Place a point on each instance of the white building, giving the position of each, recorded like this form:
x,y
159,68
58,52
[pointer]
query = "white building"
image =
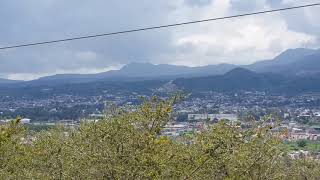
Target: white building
x,y
196,117
25,121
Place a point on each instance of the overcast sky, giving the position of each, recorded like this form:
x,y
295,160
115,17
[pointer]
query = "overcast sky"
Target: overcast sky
x,y
239,41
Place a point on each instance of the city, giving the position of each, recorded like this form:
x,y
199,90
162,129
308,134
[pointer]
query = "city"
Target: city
x,y
184,89
300,115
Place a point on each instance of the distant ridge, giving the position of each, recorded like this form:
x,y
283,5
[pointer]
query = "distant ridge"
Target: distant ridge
x,y
243,79
240,72
293,62
7,81
236,79
139,71
150,70
298,61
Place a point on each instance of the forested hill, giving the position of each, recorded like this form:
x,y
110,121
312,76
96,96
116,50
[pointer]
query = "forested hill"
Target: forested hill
x,y
243,79
236,80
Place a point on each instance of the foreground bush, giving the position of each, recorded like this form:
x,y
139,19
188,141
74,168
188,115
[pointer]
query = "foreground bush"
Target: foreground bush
x,y
130,146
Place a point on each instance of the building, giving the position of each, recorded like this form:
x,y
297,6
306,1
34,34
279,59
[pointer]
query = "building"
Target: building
x,y
25,121
212,117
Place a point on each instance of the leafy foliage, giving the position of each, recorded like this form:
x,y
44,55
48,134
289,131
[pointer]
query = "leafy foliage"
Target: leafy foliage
x,y
129,145
302,143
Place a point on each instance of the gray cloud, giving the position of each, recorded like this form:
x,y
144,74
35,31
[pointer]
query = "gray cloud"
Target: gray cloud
x,y
198,2
211,43
31,21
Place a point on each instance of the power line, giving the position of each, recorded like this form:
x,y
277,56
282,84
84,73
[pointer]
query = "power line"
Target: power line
x,y
157,27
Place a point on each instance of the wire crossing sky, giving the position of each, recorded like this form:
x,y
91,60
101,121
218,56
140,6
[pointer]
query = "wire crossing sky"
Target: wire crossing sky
x,y
157,27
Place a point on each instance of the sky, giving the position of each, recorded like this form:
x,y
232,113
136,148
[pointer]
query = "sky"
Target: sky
x,y
238,41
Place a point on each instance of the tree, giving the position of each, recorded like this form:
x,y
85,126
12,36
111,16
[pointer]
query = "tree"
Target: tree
x,y
129,145
302,143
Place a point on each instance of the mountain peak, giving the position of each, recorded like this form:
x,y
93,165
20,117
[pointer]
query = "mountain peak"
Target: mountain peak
x,y
239,72
291,55
136,65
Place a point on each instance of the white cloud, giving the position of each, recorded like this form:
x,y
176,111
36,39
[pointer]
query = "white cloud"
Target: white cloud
x,y
86,55
241,41
32,76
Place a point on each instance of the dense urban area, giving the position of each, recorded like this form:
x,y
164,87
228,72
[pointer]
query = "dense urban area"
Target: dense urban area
x,y
299,114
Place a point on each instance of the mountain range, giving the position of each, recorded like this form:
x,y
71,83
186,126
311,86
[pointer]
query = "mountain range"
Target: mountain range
x,y
291,62
238,78
295,70
244,79
138,72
